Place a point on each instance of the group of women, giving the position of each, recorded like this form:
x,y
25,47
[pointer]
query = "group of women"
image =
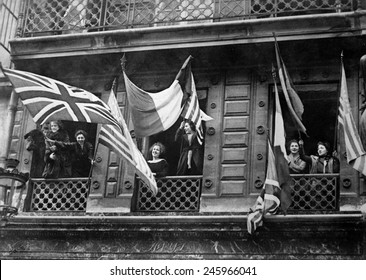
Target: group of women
x,y
323,162
74,159
64,158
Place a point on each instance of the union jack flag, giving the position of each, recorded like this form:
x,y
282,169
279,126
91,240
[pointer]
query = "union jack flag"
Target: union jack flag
x,y
48,99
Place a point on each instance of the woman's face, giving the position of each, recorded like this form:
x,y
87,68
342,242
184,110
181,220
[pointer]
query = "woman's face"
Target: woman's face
x,y
156,151
187,128
80,139
294,148
54,127
322,150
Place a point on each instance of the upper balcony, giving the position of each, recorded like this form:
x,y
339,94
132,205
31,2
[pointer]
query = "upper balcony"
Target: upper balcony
x,y
51,17
135,25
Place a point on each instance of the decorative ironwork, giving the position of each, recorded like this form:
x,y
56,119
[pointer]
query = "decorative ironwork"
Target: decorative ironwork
x,y
315,192
59,195
178,194
64,16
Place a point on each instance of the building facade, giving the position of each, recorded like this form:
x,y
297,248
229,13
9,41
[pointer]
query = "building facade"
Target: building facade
x,y
114,215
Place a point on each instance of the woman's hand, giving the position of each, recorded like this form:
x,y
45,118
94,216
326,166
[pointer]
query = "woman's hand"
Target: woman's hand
x,y
53,156
181,125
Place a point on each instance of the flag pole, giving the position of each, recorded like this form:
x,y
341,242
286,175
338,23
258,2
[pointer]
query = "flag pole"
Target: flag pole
x,y
335,142
97,146
123,62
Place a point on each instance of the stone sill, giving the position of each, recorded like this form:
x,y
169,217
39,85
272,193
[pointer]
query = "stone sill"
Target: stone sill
x,y
347,217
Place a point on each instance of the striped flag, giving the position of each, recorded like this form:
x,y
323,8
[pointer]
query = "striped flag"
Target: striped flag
x,y
154,112
119,140
269,199
277,186
48,99
191,111
356,156
293,101
283,173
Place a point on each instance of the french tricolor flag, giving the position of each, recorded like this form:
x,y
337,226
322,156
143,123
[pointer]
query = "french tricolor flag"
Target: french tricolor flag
x,y
152,113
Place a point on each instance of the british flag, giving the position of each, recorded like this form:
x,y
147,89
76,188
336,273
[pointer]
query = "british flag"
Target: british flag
x,y
48,99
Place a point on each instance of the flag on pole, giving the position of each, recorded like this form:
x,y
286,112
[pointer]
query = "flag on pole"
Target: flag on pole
x,y
277,186
191,111
48,99
119,140
356,155
279,144
269,199
293,101
152,113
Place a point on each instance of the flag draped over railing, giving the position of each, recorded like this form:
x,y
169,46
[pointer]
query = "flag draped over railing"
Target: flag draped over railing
x,y
293,101
119,140
276,191
152,113
356,155
48,99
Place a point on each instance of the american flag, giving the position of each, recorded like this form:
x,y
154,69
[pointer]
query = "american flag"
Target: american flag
x,y
119,140
356,155
48,99
191,111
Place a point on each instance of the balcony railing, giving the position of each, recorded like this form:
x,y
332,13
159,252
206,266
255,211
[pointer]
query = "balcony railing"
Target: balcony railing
x,y
311,192
176,194
315,192
68,194
52,17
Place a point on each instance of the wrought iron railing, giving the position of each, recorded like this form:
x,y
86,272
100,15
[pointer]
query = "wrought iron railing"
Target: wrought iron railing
x,y
175,194
315,192
45,17
67,194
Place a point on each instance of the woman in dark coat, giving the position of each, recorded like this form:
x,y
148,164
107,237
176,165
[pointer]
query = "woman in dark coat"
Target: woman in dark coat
x,y
191,158
57,158
323,162
82,155
159,166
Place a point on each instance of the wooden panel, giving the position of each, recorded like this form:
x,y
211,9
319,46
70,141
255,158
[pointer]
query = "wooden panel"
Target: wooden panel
x,y
238,76
113,159
235,155
236,123
236,107
113,172
111,189
233,171
237,92
235,139
233,187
